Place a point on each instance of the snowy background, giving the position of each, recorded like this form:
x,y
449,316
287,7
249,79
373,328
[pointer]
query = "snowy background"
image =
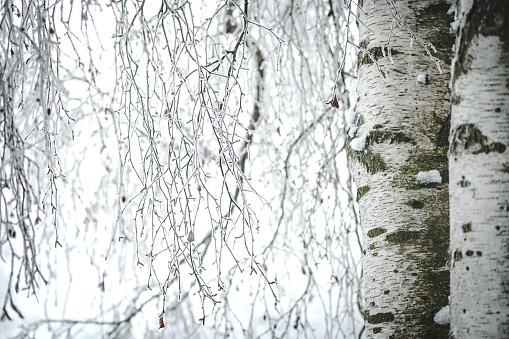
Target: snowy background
x,y
141,122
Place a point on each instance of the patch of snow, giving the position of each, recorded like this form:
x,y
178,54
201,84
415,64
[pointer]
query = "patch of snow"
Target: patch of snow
x,y
443,317
359,143
422,79
350,122
350,116
429,177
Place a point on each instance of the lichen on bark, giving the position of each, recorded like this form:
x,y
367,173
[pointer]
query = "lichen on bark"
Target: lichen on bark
x,y
373,162
402,237
376,232
379,317
379,136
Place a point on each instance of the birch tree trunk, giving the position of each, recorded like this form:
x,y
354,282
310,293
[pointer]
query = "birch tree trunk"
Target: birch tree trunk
x,y
479,172
402,171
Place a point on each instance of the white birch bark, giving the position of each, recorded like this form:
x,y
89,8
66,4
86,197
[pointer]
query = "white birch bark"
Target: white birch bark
x,y
479,172
404,220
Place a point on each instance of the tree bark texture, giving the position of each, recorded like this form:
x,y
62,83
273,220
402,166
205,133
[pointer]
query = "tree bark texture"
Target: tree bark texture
x,y
404,214
479,172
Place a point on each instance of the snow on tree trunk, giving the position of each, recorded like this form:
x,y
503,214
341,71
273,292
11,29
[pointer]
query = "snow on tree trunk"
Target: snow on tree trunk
x,y
401,172
479,172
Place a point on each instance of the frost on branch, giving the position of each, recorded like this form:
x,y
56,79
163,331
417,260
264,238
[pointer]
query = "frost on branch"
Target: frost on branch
x,y
350,122
201,110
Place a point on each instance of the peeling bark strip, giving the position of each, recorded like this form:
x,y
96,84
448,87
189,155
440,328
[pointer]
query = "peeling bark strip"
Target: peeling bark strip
x,y
479,191
405,219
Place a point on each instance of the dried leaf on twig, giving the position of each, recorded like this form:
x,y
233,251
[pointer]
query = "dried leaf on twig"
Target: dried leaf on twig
x,y
333,102
190,236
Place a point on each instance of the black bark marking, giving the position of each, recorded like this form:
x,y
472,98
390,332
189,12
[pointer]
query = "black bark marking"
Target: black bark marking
x,y
466,227
463,182
468,137
361,191
457,255
471,253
